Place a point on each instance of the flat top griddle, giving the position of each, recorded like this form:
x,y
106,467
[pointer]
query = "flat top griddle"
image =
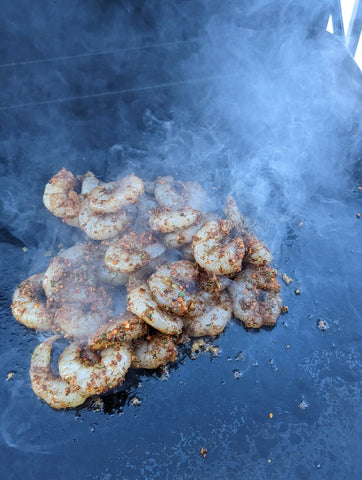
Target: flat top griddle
x,y
203,94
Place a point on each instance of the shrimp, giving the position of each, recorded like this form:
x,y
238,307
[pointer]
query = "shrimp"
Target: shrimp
x,y
166,221
80,321
210,314
28,305
55,391
173,286
94,374
102,226
89,182
255,296
214,251
70,275
113,196
256,252
141,303
60,197
154,351
176,195
132,252
119,330
178,238
104,275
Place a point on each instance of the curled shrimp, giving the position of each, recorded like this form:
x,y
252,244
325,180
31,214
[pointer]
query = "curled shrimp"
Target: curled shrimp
x,y
94,373
209,315
55,391
256,252
166,221
104,275
113,196
80,321
154,351
70,275
215,251
60,197
102,226
141,303
176,195
28,304
255,296
119,330
132,252
174,285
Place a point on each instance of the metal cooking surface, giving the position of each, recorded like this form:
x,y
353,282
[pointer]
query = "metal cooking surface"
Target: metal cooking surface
x,y
273,122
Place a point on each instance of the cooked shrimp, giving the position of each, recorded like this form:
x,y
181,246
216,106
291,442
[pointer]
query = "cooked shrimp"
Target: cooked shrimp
x,y
256,251
119,330
176,195
132,252
113,196
80,321
178,238
154,351
137,278
255,296
166,221
215,251
94,374
209,315
104,275
174,285
69,278
60,197
102,226
55,391
89,182
141,303
28,304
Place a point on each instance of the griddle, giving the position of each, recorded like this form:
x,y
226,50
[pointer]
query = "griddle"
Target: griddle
x,y
118,87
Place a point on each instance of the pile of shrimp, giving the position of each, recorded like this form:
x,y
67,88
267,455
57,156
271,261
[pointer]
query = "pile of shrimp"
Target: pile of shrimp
x,y
155,270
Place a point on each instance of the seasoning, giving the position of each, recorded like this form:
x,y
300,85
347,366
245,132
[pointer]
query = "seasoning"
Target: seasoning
x,y
203,452
286,279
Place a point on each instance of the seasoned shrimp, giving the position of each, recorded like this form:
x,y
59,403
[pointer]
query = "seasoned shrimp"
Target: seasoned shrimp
x,y
154,351
256,252
255,296
119,330
104,275
112,197
80,321
89,182
176,195
28,304
132,252
60,197
55,391
102,226
209,315
141,303
215,251
70,276
174,285
92,373
178,238
166,221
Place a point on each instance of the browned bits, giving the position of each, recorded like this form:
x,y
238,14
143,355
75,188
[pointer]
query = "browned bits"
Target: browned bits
x,y
203,452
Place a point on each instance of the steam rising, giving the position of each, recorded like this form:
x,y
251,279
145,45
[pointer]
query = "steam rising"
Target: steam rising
x,y
247,98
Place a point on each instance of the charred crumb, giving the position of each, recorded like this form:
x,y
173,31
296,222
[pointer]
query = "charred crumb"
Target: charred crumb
x,y
322,324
